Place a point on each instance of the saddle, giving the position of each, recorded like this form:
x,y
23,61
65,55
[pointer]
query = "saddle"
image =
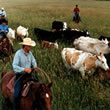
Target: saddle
x,y
25,88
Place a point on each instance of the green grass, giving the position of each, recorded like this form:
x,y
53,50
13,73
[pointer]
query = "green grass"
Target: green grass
x,y
69,90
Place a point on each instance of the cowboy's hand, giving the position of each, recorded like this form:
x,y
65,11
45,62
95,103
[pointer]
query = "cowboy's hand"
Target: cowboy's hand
x,y
35,68
2,30
27,70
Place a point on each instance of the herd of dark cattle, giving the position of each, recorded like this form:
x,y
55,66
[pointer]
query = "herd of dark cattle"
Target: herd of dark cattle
x,y
60,32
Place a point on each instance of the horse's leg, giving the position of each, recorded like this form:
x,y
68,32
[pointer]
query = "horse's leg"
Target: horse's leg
x,y
6,105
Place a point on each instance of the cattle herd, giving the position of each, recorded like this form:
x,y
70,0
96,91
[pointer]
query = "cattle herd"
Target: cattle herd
x,y
87,53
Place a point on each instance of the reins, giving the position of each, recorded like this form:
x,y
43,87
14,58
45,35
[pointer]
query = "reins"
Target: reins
x,y
42,71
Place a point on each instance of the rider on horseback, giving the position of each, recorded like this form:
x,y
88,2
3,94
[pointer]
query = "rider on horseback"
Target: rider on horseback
x,y
76,10
3,29
23,63
2,12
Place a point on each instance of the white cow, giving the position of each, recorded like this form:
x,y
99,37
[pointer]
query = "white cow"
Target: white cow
x,y
11,35
22,32
92,45
83,61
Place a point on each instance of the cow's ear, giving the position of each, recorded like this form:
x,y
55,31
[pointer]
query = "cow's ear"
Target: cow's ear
x,y
101,54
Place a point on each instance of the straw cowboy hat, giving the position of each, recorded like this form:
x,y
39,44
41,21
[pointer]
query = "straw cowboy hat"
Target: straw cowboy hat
x,y
28,41
2,8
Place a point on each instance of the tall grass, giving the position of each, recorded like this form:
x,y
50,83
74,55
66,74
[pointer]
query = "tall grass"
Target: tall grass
x,y
69,90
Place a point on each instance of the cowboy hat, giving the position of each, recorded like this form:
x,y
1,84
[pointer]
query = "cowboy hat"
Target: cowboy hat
x,y
2,8
4,20
28,41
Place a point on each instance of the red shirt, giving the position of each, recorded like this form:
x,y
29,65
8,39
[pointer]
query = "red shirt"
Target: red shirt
x,y
76,10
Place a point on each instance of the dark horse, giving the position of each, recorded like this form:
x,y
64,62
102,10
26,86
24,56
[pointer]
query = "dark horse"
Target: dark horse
x,y
38,97
77,17
5,48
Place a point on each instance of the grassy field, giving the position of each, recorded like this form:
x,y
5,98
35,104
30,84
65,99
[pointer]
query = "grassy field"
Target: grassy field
x,y
70,91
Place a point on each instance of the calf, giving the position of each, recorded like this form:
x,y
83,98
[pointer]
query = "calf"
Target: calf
x,y
22,32
92,45
49,44
83,61
11,35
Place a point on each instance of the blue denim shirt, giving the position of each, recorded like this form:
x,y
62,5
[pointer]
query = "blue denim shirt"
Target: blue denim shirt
x,y
5,28
21,61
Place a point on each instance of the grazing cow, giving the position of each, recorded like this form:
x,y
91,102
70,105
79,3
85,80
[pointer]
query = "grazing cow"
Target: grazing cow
x,y
92,45
11,35
66,35
45,35
83,61
49,44
104,38
72,34
22,32
59,25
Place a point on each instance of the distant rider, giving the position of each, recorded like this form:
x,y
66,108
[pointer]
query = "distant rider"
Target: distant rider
x,y
2,12
76,10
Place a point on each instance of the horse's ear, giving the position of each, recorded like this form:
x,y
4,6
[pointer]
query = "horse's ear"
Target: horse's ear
x,y
49,85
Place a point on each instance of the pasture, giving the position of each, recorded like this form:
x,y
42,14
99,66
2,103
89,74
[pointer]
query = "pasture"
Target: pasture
x,y
70,91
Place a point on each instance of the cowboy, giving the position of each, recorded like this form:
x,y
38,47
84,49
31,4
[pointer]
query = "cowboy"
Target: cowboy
x,y
3,29
23,63
2,12
76,10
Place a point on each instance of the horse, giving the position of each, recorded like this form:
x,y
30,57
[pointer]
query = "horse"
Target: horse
x,y
77,17
39,96
6,48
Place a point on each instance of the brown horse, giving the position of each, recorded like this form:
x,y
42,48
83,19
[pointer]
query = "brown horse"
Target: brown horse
x,y
77,17
38,97
5,48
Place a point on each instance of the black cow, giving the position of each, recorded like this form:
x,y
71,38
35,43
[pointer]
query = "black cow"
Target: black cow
x,y
104,37
66,35
45,35
59,25
71,35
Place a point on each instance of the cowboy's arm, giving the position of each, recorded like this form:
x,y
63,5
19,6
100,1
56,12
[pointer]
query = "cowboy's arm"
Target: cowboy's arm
x,y
7,30
0,28
17,69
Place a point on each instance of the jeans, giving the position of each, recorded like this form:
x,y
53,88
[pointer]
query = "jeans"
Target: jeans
x,y
17,91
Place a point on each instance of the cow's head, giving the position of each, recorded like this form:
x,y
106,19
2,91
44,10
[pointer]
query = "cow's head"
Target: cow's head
x,y
102,62
64,26
25,32
86,33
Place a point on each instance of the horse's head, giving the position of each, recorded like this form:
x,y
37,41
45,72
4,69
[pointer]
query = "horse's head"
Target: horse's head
x,y
43,97
5,42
